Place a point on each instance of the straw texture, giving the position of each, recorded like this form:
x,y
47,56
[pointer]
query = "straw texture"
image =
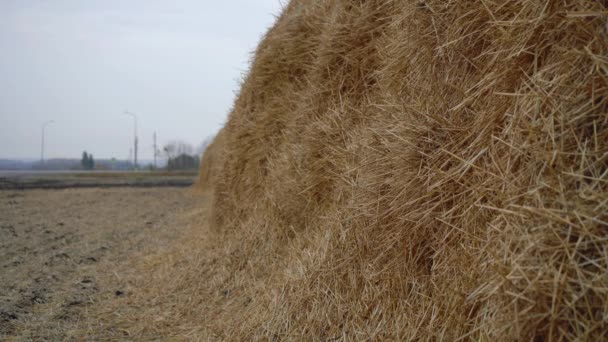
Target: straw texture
x,y
428,170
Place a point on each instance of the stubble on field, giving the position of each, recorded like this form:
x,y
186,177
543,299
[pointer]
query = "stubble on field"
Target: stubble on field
x,y
62,251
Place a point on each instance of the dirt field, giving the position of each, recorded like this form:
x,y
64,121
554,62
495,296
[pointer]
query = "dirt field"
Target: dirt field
x,y
61,251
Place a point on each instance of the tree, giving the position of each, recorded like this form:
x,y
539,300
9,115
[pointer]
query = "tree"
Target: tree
x,y
87,161
183,162
91,162
176,148
180,156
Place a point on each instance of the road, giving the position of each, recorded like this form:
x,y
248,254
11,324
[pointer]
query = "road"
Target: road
x,y
39,173
27,180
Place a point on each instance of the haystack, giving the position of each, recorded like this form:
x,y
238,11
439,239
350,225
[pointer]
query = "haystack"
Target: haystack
x,y
410,170
211,163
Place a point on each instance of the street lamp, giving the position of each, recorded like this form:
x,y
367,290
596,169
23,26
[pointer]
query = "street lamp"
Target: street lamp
x,y
42,141
134,137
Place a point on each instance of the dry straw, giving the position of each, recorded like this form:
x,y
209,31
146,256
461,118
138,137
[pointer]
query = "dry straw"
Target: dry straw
x,y
427,170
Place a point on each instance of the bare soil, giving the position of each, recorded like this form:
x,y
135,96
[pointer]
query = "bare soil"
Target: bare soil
x,y
60,251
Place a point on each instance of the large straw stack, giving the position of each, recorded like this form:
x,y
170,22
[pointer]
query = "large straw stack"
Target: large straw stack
x,y
428,170
211,163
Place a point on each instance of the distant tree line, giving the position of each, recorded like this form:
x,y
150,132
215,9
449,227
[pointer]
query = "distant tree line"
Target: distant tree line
x,y
183,162
87,161
181,156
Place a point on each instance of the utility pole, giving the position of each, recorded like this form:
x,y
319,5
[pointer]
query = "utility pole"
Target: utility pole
x,y
135,138
155,150
42,142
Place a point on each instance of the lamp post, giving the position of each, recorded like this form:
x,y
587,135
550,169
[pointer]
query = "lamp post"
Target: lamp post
x,y
134,138
42,141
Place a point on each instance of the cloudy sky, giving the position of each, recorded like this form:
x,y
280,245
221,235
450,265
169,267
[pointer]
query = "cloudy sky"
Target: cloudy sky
x,y
82,63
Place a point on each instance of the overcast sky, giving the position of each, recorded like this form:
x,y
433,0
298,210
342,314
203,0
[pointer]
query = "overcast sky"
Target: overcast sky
x,y
82,63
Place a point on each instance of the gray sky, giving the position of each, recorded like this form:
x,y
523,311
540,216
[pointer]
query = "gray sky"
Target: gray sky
x,y
82,63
